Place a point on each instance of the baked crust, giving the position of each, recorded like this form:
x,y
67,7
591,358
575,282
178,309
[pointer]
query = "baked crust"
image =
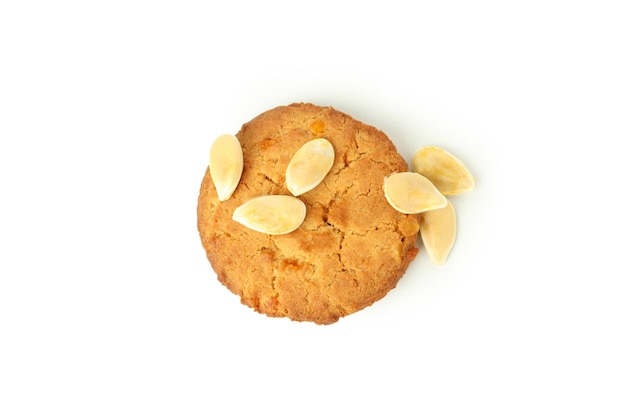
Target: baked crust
x,y
352,247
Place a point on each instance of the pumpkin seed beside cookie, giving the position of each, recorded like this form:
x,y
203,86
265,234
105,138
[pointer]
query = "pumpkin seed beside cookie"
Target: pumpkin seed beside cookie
x,y
445,170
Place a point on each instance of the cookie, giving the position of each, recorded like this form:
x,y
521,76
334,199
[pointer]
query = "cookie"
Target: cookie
x,y
352,247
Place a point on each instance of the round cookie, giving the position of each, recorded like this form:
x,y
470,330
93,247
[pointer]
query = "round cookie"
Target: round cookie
x,y
352,247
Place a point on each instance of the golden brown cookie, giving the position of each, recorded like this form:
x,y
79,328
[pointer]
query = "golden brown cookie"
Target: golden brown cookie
x,y
352,247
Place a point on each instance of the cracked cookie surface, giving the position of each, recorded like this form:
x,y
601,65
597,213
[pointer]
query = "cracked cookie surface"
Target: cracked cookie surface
x,y
352,247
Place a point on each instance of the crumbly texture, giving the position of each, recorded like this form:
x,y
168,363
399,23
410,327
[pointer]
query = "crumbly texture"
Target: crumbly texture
x,y
352,247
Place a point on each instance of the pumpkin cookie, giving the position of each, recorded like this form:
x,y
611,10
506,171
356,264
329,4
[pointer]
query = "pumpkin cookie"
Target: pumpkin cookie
x,y
352,246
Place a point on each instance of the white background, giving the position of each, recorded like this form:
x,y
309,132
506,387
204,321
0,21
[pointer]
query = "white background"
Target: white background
x,y
108,305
